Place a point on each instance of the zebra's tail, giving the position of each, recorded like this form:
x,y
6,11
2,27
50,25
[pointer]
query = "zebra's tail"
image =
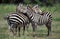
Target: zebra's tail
x,y
6,17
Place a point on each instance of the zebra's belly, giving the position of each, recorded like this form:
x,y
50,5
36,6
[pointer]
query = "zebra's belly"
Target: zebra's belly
x,y
41,22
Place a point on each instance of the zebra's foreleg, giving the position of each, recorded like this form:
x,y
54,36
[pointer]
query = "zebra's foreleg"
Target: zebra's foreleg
x,y
34,28
27,26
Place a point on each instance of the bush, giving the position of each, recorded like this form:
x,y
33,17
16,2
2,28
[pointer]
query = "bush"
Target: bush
x,y
27,1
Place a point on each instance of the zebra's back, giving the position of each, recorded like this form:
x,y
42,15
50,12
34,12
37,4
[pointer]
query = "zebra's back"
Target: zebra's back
x,y
17,19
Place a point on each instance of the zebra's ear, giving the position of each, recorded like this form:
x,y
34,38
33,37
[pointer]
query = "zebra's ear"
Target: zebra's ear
x,y
36,6
29,7
20,5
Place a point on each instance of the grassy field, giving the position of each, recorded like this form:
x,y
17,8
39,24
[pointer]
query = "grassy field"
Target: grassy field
x,y
41,30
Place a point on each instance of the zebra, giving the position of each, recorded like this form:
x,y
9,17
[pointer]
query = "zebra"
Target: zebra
x,y
16,21
37,19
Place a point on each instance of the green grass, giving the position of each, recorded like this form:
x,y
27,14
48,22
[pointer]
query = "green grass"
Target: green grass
x,y
41,30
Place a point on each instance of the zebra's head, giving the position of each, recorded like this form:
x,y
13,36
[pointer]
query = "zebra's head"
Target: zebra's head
x,y
21,8
36,9
30,11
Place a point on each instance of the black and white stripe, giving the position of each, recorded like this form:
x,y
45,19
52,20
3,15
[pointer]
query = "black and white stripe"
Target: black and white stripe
x,y
17,20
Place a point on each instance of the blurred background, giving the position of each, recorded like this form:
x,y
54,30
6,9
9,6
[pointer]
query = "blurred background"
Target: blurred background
x,y
40,2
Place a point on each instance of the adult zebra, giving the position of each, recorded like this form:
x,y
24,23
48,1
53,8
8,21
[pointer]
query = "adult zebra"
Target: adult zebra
x,y
16,21
37,19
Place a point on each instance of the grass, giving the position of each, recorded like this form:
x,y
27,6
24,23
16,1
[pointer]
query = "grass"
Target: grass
x,y
41,30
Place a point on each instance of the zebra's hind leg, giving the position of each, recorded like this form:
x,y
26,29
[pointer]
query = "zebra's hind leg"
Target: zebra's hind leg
x,y
48,25
19,31
12,29
15,30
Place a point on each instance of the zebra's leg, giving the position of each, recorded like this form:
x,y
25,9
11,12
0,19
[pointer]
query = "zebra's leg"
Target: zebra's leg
x,y
19,31
15,30
23,29
34,27
48,25
12,28
27,26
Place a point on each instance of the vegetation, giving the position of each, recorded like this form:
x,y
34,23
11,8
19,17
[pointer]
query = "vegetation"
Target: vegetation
x,y
40,2
41,30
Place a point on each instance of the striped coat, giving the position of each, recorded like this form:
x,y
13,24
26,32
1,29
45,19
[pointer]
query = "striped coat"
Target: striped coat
x,y
37,19
41,19
17,20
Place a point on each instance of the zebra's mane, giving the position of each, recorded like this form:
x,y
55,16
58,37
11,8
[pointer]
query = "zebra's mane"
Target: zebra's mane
x,y
30,8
